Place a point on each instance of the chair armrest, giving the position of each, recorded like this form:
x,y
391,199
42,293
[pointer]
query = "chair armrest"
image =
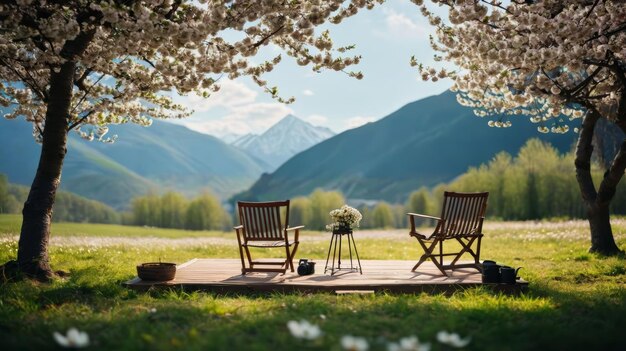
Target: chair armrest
x,y
414,232
423,216
296,234
239,229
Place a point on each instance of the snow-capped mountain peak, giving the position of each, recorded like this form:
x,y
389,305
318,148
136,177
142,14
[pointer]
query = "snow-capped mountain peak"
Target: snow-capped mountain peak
x,y
284,139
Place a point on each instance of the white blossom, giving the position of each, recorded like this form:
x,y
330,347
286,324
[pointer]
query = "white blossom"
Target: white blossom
x,y
304,330
452,339
74,339
354,343
410,343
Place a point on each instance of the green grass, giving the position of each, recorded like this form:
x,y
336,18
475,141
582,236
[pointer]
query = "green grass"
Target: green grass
x,y
576,300
10,225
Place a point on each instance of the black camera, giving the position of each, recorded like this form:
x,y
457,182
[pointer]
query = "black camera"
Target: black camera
x,y
306,267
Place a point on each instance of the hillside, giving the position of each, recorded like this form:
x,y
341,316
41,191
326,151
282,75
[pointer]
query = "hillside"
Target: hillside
x,y
283,140
68,207
422,144
162,156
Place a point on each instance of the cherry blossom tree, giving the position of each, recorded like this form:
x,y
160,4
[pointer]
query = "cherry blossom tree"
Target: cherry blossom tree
x,y
561,63
81,65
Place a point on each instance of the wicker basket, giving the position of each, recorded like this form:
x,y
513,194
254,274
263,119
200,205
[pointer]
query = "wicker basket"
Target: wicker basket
x,y
156,271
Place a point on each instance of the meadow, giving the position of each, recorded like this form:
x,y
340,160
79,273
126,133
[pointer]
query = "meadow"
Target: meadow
x,y
576,300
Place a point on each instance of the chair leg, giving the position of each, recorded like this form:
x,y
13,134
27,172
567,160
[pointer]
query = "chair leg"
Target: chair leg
x,y
243,264
419,263
477,257
467,248
428,253
293,254
439,266
287,260
250,264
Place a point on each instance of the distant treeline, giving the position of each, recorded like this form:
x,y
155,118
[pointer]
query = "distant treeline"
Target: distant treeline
x,y
67,207
312,211
173,210
537,183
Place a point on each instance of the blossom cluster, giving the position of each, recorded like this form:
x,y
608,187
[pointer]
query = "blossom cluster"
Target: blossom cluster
x,y
124,58
548,60
345,216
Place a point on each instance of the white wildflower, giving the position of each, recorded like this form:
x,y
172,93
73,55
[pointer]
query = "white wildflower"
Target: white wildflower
x,y
304,330
74,339
354,343
410,343
452,339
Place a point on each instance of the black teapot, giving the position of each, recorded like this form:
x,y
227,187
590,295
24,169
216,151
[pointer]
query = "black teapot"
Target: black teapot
x,y
306,267
491,272
508,275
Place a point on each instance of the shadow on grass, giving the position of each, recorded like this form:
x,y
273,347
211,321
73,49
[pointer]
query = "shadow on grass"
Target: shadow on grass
x,y
569,308
118,319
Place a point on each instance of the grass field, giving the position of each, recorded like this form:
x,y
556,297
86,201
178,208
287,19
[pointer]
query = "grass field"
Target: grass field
x,y
577,301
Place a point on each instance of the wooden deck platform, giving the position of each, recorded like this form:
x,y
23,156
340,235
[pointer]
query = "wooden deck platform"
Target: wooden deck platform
x,y
224,276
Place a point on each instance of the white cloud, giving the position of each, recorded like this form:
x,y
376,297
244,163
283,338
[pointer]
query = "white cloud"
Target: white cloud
x,y
399,22
231,94
234,109
400,26
308,92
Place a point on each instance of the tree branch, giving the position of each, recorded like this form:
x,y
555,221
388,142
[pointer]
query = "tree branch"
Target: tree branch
x,y
595,3
264,39
574,91
172,11
80,83
73,125
32,84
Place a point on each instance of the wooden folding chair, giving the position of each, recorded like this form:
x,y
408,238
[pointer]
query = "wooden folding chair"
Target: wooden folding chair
x,y
261,227
461,220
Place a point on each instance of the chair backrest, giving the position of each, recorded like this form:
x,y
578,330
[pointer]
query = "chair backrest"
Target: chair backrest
x,y
262,220
463,213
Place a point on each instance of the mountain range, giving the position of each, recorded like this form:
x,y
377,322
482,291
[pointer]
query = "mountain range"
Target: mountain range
x,y
154,159
283,140
424,143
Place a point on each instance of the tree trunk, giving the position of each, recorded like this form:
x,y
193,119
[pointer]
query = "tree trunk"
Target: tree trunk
x,y
32,254
601,233
597,202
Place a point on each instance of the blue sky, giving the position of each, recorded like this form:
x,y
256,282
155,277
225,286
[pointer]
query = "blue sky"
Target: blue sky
x,y
385,37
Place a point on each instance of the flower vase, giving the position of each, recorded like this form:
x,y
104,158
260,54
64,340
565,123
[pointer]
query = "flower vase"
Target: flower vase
x,y
342,229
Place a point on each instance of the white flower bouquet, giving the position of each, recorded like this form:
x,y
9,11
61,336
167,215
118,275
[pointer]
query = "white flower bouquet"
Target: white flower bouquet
x,y
345,217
